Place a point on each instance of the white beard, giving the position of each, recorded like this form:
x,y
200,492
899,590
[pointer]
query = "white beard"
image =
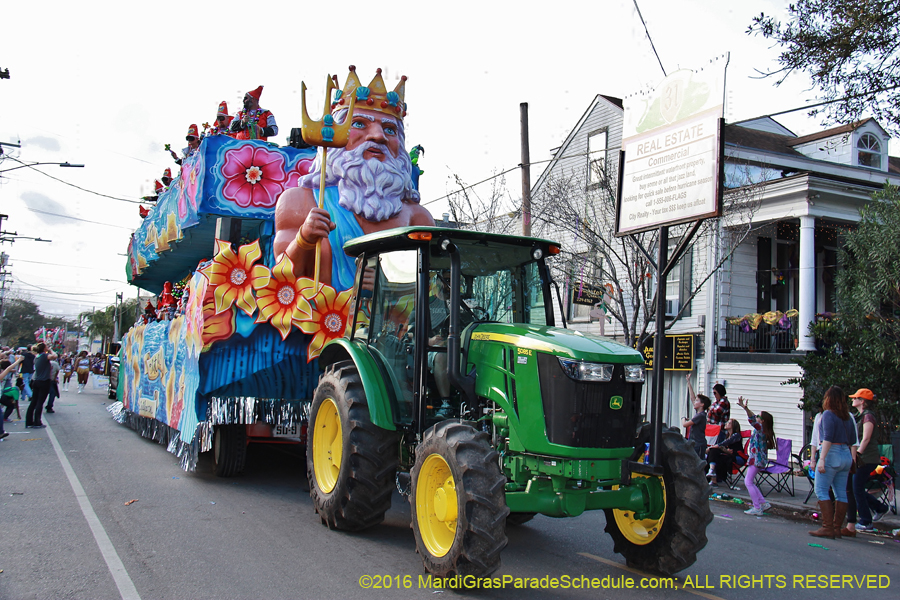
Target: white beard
x,y
371,188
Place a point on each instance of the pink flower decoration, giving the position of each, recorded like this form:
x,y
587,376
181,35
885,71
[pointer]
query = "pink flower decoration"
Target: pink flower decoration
x,y
253,176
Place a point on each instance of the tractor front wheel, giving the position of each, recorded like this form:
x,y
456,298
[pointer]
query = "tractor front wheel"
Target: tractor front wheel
x,y
350,462
671,543
457,499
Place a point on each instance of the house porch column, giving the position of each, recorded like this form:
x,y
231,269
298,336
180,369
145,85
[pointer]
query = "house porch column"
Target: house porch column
x,y
807,300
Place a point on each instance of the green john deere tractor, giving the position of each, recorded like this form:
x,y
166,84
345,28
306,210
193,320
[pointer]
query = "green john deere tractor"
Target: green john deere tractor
x,y
453,384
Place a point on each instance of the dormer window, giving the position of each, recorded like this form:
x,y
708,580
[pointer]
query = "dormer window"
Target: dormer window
x,y
869,151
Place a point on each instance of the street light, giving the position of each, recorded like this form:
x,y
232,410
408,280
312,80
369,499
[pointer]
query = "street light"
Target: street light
x,y
23,165
12,236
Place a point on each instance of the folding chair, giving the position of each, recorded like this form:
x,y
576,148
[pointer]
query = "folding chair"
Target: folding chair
x,y
882,485
802,458
778,474
712,433
737,471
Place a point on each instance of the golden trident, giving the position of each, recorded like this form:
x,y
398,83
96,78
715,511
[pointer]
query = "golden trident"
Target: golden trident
x,y
327,134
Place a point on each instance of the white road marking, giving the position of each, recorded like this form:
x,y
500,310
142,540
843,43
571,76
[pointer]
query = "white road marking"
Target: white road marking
x,y
113,562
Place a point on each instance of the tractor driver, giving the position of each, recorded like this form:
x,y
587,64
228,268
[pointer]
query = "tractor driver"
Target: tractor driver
x,y
439,309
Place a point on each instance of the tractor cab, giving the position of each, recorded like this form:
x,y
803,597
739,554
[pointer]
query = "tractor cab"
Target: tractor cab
x,y
421,293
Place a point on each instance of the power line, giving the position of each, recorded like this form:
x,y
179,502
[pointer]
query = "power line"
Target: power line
x,y
44,212
37,262
652,45
72,184
19,280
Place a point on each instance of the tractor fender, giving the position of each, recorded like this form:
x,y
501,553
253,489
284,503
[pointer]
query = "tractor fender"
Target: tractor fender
x,y
378,397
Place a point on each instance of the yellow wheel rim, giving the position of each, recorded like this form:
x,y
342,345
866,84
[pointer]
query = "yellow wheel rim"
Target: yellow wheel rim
x,y
327,446
639,531
436,505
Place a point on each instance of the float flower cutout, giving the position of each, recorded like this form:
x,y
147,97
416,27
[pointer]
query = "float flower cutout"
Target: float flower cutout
x,y
230,276
279,296
253,176
215,326
327,320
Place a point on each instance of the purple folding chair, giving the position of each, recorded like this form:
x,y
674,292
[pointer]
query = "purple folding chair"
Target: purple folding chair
x,y
778,474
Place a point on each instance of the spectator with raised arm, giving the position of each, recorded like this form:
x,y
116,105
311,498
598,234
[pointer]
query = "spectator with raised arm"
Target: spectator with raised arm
x,y
761,440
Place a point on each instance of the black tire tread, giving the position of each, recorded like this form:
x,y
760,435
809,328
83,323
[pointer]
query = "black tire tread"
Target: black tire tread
x,y
233,446
481,531
683,534
370,456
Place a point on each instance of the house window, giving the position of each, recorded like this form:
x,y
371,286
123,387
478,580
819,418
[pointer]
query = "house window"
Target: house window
x,y
869,151
678,282
596,157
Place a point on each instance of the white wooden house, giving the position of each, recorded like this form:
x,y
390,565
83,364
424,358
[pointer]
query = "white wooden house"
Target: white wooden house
x,y
812,189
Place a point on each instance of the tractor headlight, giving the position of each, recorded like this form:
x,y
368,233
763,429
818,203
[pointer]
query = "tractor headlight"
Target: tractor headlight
x,y
586,371
634,373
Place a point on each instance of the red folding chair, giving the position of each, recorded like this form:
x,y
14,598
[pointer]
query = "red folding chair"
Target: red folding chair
x,y
737,470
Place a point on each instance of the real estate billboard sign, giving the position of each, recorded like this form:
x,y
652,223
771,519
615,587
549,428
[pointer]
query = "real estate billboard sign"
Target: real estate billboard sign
x,y
671,138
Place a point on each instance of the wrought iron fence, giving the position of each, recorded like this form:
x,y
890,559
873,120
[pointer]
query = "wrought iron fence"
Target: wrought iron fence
x,y
765,338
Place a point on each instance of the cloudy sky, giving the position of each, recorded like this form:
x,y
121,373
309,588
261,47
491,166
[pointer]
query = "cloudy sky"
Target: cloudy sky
x,y
108,84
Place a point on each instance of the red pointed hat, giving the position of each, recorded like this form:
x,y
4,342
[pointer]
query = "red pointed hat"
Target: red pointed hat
x,y
167,173
192,132
158,186
256,93
223,109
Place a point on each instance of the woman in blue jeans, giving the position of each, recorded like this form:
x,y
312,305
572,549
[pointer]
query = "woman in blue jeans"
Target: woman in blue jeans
x,y
838,439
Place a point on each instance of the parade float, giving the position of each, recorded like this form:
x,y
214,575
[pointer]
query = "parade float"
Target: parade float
x,y
220,359
227,355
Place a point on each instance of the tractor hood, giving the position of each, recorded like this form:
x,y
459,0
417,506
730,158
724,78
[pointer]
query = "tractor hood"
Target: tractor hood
x,y
557,341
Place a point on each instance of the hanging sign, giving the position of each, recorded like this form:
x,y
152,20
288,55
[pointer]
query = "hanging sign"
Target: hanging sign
x,y
678,352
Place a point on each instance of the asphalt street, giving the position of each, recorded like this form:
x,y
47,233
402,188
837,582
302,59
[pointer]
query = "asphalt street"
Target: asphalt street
x,y
91,510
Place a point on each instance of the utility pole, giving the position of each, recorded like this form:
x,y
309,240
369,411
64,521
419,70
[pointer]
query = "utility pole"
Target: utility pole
x,y
526,171
4,259
116,324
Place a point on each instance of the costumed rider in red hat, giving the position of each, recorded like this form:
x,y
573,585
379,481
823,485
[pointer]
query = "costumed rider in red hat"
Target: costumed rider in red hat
x,y
223,121
193,140
254,123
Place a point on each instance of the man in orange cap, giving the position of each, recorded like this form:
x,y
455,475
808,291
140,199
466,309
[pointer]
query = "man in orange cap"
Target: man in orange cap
x,y
254,123
223,120
868,456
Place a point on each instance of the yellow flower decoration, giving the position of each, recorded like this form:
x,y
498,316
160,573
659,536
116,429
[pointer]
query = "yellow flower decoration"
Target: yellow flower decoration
x,y
231,275
328,318
280,295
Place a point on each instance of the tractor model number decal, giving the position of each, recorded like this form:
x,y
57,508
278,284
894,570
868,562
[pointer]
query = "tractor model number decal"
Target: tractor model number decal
x,y
616,402
516,340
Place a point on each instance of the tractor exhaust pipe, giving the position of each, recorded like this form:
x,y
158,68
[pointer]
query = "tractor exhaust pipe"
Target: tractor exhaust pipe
x,y
464,383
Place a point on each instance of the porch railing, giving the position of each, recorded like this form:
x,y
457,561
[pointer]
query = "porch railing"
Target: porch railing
x,y
765,338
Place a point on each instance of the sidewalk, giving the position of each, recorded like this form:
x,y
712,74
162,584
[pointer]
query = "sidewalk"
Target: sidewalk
x,y
793,506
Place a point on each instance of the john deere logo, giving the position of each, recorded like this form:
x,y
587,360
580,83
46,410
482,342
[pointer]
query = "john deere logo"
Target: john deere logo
x,y
616,402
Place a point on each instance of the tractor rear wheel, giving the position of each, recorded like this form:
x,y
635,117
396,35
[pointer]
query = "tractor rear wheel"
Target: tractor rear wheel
x,y
229,450
457,499
350,462
671,543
